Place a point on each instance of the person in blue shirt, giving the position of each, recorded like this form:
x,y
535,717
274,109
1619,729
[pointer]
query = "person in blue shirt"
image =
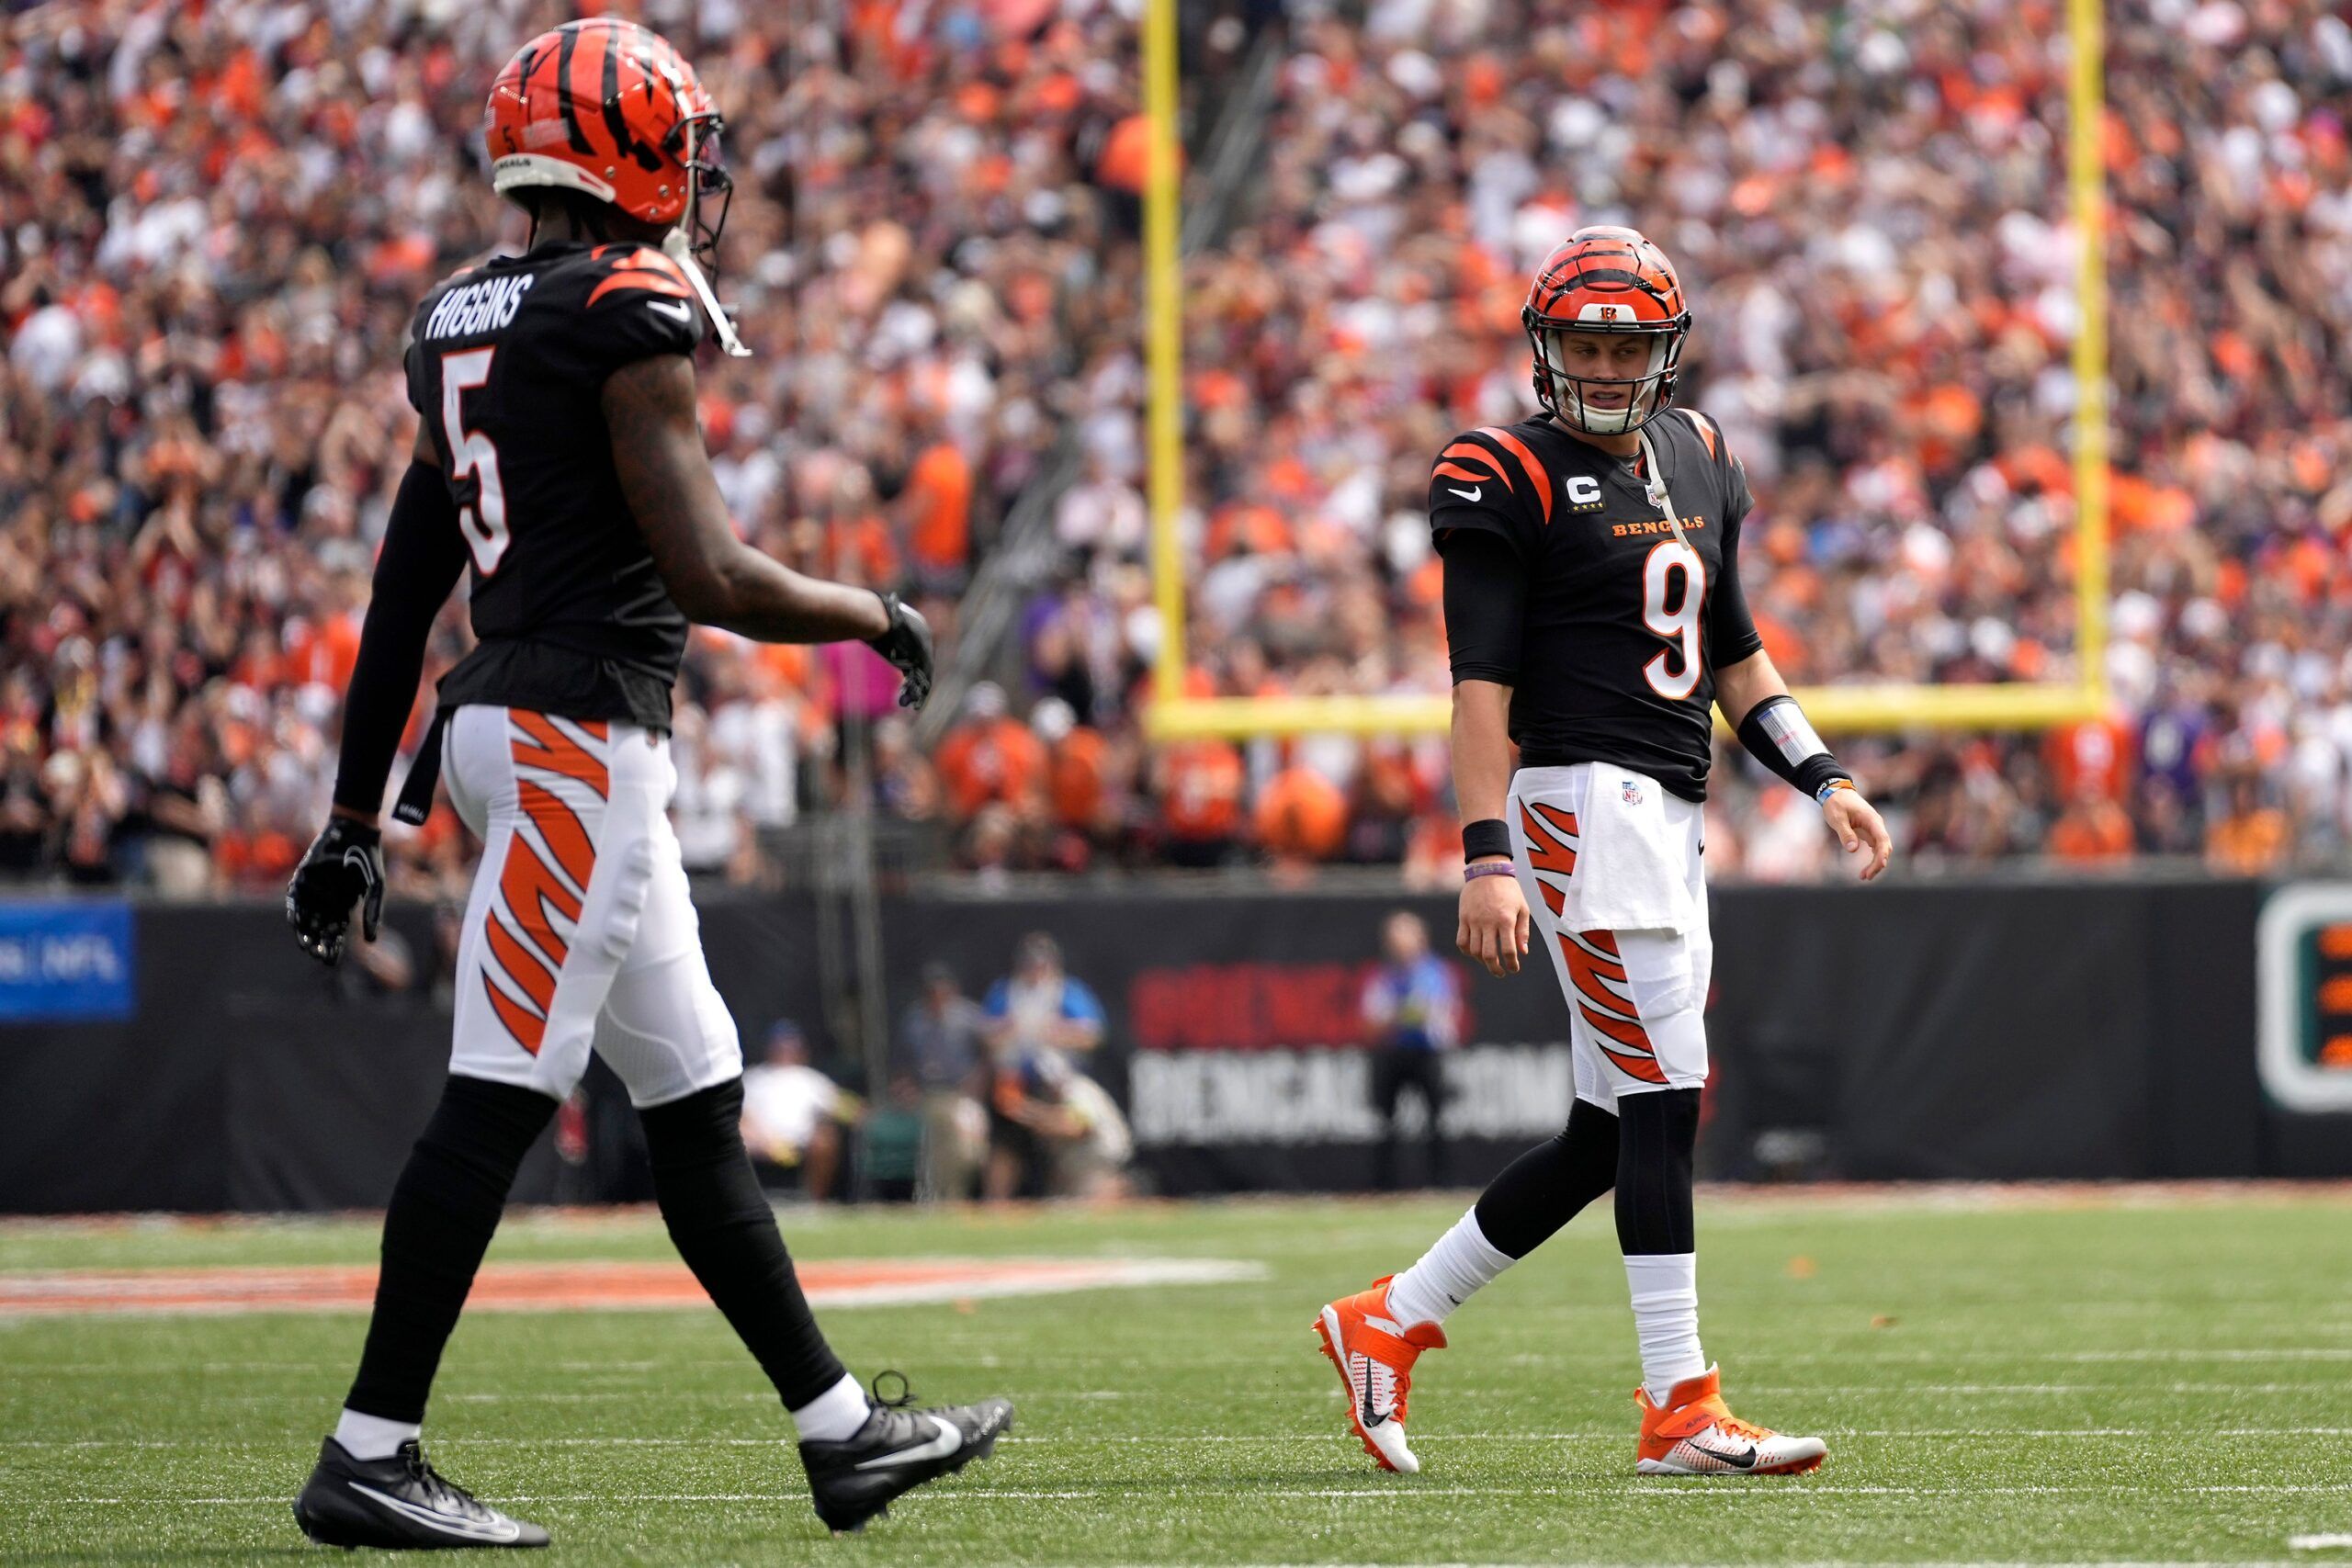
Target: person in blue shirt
x,y
1412,1013
1039,1020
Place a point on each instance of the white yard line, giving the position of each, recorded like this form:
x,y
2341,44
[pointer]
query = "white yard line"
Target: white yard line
x,y
1781,1488
1164,1439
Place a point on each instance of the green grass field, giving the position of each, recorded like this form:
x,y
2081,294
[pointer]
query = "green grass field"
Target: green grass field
x,y
2143,1377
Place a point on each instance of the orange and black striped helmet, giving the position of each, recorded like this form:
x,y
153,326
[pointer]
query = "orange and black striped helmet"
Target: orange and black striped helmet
x,y
1606,279
607,107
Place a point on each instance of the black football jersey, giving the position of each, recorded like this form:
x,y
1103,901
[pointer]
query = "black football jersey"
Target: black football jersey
x,y
506,364
1623,624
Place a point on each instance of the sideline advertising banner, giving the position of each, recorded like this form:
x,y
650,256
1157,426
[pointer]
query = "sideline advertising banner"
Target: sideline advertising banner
x,y
161,1057
66,961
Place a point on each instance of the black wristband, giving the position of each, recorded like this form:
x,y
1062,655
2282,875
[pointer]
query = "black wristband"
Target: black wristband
x,y
1487,836
1777,735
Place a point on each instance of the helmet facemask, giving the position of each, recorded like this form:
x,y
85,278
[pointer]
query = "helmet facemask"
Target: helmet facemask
x,y
694,244
1571,399
693,141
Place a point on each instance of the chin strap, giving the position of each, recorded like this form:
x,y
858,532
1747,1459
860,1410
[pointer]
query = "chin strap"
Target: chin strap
x,y
677,248
1654,482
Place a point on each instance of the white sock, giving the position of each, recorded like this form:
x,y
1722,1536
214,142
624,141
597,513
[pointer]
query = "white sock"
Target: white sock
x,y
372,1437
1448,1274
1666,1319
833,1416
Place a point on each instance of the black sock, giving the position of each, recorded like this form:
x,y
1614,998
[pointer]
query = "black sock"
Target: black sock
x,y
439,1222
721,1224
1551,1183
1655,1135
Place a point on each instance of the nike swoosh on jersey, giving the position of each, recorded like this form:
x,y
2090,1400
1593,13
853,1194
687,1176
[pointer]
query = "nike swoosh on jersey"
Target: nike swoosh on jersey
x,y
1469,494
678,312
950,1439
450,1524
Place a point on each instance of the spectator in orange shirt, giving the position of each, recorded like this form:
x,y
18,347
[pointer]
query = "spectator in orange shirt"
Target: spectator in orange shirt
x,y
1199,785
936,510
2250,839
321,653
1076,790
855,543
990,757
2092,829
2096,754
1302,817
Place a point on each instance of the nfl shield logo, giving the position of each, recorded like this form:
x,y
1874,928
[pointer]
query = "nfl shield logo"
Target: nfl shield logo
x,y
1632,792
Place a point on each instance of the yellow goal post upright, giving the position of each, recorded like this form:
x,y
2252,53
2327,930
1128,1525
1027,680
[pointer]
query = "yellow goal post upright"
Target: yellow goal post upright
x,y
1851,709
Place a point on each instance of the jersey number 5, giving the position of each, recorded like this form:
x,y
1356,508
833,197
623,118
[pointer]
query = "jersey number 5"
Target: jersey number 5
x,y
1667,562
470,452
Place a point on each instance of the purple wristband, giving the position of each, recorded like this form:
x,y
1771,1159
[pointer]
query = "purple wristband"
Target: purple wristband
x,y
1487,868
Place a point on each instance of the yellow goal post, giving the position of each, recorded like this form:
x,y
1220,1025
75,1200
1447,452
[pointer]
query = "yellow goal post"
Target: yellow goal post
x,y
1847,708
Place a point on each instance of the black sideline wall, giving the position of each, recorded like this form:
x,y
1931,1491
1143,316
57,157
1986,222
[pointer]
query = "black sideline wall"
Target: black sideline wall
x,y
1912,1032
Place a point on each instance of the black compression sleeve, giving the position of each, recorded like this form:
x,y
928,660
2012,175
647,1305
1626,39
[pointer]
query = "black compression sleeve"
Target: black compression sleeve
x,y
1656,1131
1486,606
1731,629
1547,1185
721,1224
438,1224
423,554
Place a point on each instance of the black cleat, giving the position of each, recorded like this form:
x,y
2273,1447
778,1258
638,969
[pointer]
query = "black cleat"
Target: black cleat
x,y
400,1504
897,1450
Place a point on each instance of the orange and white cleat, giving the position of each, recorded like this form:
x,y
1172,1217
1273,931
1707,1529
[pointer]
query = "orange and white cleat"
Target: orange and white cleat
x,y
1375,1356
1696,1434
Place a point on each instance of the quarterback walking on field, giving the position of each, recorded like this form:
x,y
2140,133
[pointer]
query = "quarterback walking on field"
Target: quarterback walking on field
x,y
559,455
1594,617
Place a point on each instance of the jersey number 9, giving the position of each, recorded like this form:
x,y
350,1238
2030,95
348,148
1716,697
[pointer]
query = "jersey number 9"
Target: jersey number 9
x,y
1668,561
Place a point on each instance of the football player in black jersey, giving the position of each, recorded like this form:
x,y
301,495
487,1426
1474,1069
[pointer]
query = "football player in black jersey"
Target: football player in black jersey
x,y
1595,618
559,455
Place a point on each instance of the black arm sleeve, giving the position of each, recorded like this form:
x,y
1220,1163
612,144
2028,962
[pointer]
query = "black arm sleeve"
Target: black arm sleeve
x,y
1731,630
1486,606
423,554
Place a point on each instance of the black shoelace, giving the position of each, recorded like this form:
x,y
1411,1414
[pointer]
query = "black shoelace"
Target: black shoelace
x,y
443,1492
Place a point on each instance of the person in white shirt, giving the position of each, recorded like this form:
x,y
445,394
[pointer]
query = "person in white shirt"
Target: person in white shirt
x,y
793,1114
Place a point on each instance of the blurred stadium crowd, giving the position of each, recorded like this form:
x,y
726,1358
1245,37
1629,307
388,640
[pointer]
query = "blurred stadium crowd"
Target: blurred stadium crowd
x,y
215,219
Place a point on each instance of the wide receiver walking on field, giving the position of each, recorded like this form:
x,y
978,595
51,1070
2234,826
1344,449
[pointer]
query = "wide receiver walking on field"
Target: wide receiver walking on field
x,y
559,452
1594,613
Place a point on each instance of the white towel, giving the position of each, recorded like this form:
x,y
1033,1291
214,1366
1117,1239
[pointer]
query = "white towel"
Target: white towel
x,y
1634,865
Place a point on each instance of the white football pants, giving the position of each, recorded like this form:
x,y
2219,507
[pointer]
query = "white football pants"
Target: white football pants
x,y
580,934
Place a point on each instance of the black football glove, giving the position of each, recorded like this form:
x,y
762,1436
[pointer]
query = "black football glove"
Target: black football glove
x,y
907,645
345,866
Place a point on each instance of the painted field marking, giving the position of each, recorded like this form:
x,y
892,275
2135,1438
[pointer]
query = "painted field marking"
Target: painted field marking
x,y
587,1287
1782,1489
1988,1433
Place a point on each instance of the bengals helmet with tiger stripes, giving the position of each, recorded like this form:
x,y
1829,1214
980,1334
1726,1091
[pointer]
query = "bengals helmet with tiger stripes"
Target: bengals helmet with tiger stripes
x,y
607,107
1606,279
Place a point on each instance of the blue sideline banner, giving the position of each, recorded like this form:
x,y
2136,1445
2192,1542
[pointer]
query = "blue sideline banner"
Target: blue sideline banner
x,y
65,962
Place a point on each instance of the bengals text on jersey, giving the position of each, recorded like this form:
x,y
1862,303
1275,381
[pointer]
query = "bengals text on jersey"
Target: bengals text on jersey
x,y
1624,622
506,364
